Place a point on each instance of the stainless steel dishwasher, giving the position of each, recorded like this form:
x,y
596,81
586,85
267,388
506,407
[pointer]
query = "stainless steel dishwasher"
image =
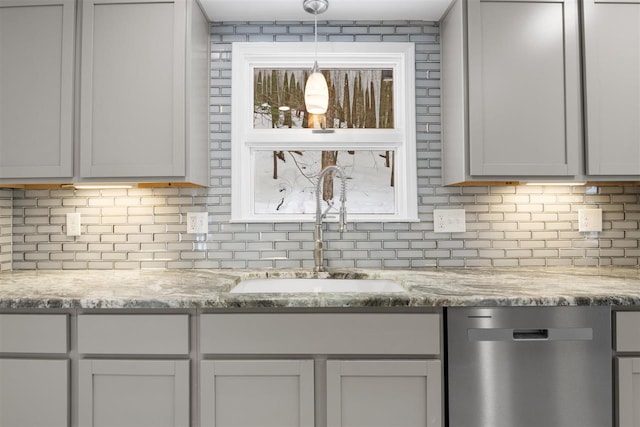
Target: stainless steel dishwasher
x,y
529,367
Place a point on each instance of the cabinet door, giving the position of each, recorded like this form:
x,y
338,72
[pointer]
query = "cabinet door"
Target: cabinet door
x,y
628,392
399,393
612,86
34,393
249,393
524,88
121,393
132,114
36,88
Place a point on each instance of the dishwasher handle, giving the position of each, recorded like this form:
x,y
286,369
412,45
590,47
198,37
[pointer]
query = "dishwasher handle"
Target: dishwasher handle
x,y
530,334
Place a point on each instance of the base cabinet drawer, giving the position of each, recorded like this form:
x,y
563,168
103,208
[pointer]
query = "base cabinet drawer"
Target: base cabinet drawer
x,y
140,393
164,334
399,393
33,333
628,331
321,333
34,393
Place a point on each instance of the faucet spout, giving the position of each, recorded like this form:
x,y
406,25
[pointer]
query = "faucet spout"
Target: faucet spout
x,y
318,248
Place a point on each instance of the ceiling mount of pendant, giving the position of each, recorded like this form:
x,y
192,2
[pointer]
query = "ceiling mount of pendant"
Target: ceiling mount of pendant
x,y
315,7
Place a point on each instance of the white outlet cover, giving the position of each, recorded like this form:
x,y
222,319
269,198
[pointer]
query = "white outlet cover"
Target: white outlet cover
x,y
589,220
74,223
449,221
197,222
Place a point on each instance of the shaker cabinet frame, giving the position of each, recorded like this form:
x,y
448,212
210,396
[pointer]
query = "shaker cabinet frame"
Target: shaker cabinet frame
x,y
37,39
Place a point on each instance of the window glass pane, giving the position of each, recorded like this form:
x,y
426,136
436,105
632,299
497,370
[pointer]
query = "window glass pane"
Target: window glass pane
x,y
358,98
285,181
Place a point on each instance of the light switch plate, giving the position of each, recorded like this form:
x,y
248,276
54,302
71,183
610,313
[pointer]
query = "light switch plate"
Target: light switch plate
x,y
449,221
197,222
589,220
74,222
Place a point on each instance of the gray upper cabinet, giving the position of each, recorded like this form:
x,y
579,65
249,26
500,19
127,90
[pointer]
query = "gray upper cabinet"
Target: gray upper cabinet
x,y
510,90
144,97
142,92
612,86
36,88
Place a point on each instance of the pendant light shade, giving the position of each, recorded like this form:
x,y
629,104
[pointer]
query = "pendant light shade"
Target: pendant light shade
x,y
316,91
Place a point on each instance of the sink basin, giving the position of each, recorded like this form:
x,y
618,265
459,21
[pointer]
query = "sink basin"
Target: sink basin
x,y
261,286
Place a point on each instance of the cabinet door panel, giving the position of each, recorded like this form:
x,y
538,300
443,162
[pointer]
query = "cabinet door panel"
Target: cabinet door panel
x,y
249,393
133,89
628,392
612,70
397,393
34,393
36,88
153,393
524,99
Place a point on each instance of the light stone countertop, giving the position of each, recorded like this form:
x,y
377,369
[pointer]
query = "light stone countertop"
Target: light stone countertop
x,y
426,288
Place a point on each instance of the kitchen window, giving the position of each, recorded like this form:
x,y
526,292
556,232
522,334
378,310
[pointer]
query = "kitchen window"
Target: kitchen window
x,y
369,130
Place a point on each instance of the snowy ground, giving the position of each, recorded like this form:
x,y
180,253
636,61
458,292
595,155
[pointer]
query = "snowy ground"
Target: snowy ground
x,y
368,183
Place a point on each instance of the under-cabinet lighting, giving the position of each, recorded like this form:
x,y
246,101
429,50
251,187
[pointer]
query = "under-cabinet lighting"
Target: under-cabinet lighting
x,y
101,186
557,184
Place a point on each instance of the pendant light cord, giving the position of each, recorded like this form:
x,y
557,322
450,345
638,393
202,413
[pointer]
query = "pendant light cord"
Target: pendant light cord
x,y
315,32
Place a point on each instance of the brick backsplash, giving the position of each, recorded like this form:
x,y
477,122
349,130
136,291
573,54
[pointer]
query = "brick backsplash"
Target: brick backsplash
x,y
6,202
145,228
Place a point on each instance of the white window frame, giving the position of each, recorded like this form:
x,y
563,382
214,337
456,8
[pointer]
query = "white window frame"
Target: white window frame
x,y
245,138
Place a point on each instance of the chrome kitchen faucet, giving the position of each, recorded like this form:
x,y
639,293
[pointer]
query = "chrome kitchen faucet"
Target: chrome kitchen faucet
x,y
318,248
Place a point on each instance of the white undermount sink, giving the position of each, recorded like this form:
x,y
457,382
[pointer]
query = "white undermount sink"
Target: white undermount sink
x,y
309,285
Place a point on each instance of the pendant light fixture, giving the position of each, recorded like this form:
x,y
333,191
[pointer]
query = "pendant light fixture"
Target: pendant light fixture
x,y
316,91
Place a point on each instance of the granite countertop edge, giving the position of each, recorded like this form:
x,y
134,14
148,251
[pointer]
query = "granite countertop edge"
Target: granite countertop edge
x,y
207,288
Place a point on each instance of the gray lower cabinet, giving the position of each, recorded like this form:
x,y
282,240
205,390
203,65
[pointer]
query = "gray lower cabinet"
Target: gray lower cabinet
x,y
399,384
34,370
627,347
34,393
36,88
121,393
134,370
249,393
612,86
511,104
375,393
628,391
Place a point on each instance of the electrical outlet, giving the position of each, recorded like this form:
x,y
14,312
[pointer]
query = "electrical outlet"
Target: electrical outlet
x,y
449,221
73,224
589,220
197,222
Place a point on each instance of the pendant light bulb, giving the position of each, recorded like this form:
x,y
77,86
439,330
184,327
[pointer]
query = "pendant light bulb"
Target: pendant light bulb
x,y
316,91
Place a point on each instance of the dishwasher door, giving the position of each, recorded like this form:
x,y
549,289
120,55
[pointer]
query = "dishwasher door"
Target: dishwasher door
x,y
529,367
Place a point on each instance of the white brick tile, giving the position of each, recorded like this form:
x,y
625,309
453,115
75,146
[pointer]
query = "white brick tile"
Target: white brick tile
x,y
145,225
